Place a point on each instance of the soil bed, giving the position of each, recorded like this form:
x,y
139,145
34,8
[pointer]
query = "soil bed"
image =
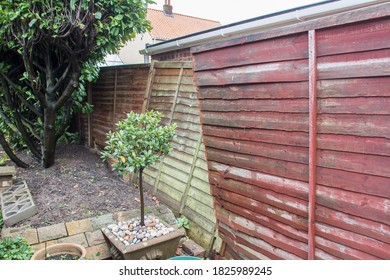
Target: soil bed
x,y
67,257
79,185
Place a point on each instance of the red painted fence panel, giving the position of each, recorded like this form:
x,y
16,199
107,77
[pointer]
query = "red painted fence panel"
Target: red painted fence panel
x,y
254,100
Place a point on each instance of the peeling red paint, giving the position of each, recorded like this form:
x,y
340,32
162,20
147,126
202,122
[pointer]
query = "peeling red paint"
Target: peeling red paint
x,y
294,156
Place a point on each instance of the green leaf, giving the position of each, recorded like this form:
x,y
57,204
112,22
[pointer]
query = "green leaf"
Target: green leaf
x,y
73,4
32,22
98,15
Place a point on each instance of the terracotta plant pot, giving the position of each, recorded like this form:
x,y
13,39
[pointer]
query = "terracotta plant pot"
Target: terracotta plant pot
x,y
59,249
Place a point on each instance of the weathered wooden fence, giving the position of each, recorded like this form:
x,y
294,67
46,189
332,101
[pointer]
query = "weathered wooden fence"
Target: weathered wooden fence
x,y
296,123
180,179
119,90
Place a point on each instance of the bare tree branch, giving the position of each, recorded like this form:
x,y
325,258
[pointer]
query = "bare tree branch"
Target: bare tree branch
x,y
7,149
18,119
65,119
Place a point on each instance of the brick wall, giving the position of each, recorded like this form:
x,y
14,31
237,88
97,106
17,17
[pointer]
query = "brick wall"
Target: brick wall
x,y
178,55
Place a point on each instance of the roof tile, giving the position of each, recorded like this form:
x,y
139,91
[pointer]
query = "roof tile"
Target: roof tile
x,y
176,25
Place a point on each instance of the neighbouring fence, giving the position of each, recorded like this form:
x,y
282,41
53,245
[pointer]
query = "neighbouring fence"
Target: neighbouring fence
x,y
181,179
296,123
118,91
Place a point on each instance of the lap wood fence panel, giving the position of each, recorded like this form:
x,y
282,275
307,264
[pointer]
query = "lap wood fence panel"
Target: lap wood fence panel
x,y
181,179
118,91
296,125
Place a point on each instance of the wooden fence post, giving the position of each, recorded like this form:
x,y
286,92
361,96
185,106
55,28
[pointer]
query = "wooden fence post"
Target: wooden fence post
x,y
114,101
149,86
191,174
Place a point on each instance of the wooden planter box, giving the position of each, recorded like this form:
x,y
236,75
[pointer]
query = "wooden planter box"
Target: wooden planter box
x,y
160,248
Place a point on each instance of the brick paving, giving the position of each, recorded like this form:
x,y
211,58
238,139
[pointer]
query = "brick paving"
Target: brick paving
x,y
84,232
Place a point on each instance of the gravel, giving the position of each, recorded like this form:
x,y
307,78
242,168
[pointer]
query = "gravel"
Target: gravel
x,y
131,232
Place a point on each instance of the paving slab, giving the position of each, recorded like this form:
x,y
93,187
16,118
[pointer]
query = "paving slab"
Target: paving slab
x,y
78,239
80,226
29,234
7,170
102,251
40,246
95,237
193,249
6,177
17,204
52,232
102,221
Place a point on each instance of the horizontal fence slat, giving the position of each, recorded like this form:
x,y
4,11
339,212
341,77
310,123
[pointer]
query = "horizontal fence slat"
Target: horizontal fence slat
x,y
358,125
366,227
286,153
272,121
286,169
256,91
276,239
284,48
354,240
300,139
361,183
285,71
362,64
275,213
359,163
250,105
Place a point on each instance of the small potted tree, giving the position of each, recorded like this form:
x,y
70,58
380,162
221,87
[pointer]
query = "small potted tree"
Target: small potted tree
x,y
139,141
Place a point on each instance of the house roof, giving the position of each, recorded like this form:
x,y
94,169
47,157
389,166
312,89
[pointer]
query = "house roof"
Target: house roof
x,y
167,27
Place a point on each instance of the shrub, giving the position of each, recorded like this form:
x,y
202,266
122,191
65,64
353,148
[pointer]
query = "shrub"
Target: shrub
x,y
14,249
140,141
1,221
183,222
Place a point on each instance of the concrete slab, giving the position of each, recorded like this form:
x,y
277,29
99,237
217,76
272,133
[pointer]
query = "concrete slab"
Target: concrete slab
x,y
7,170
29,234
78,239
95,237
101,250
52,232
76,227
6,177
40,246
102,221
17,204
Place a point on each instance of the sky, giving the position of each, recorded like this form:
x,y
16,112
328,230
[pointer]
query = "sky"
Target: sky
x,y
229,11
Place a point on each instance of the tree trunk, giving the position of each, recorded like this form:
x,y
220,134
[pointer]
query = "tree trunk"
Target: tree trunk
x,y
7,149
49,138
141,195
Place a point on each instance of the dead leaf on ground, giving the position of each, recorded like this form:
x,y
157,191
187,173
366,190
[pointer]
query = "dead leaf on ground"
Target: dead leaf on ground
x,y
156,200
137,199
